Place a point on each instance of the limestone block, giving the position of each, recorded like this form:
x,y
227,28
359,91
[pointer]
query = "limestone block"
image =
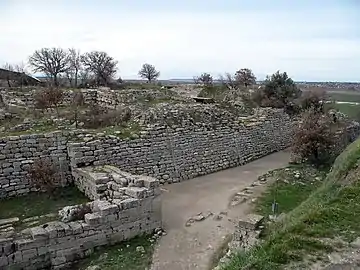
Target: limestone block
x,y
39,233
250,221
93,219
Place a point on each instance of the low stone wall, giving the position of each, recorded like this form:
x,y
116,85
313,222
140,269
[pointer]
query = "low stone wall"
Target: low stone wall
x,y
105,98
25,97
18,153
60,244
182,152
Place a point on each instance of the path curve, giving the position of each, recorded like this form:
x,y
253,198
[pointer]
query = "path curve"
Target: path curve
x,y
192,247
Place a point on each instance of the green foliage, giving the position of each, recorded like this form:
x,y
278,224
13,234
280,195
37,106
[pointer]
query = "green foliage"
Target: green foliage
x,y
245,77
281,88
205,79
279,91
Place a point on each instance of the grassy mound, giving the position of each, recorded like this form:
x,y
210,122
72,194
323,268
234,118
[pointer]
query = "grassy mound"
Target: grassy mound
x,y
331,211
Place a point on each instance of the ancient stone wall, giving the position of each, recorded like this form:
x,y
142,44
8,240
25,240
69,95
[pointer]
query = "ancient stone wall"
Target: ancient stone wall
x,y
105,98
182,152
25,97
59,244
18,153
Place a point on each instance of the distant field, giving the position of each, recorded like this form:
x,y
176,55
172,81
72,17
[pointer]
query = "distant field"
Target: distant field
x,y
352,110
345,96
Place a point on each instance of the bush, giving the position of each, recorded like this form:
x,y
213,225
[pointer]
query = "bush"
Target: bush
x,y
76,103
50,97
43,176
81,211
205,79
41,100
313,99
97,117
315,137
279,91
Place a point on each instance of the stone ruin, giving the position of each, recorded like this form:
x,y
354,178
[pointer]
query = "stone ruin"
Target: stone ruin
x,y
123,206
177,140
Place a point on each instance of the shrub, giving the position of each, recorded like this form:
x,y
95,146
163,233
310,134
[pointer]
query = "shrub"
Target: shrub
x,y
279,91
43,176
80,212
245,77
205,79
313,99
76,103
97,117
41,100
314,138
49,98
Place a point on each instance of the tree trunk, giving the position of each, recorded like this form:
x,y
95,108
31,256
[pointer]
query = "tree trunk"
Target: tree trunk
x,y
56,83
76,78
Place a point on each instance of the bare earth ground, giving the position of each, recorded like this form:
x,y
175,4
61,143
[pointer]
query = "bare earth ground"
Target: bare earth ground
x,y
192,247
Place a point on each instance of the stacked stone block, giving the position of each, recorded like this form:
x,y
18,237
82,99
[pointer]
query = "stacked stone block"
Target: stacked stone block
x,y
59,244
18,153
181,152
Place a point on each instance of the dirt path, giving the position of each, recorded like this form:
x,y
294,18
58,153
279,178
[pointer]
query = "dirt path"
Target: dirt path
x,y
192,247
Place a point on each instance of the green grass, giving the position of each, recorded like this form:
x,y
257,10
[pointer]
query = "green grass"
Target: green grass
x,y
289,191
346,96
332,210
351,110
36,204
123,256
129,130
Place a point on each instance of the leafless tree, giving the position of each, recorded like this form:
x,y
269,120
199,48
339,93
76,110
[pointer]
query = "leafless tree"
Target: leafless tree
x,y
228,81
206,79
75,66
101,65
245,77
149,72
76,103
85,76
21,68
51,61
8,67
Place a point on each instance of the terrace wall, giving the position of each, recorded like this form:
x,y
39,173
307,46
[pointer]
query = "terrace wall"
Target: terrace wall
x,y
59,244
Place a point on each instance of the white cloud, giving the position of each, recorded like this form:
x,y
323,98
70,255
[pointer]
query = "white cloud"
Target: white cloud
x,y
186,44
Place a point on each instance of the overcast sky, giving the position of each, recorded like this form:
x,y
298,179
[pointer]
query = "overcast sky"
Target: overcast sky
x,y
311,40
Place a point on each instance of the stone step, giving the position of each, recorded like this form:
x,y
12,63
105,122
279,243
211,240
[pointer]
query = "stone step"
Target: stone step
x,y
9,221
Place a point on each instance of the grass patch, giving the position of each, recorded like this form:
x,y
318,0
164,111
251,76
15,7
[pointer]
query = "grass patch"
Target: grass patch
x,y
215,91
346,96
129,130
288,190
36,204
123,256
351,110
330,211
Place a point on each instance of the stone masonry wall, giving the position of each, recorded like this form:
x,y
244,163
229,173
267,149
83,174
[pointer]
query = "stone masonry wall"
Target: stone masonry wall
x,y
17,153
177,153
105,98
59,244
